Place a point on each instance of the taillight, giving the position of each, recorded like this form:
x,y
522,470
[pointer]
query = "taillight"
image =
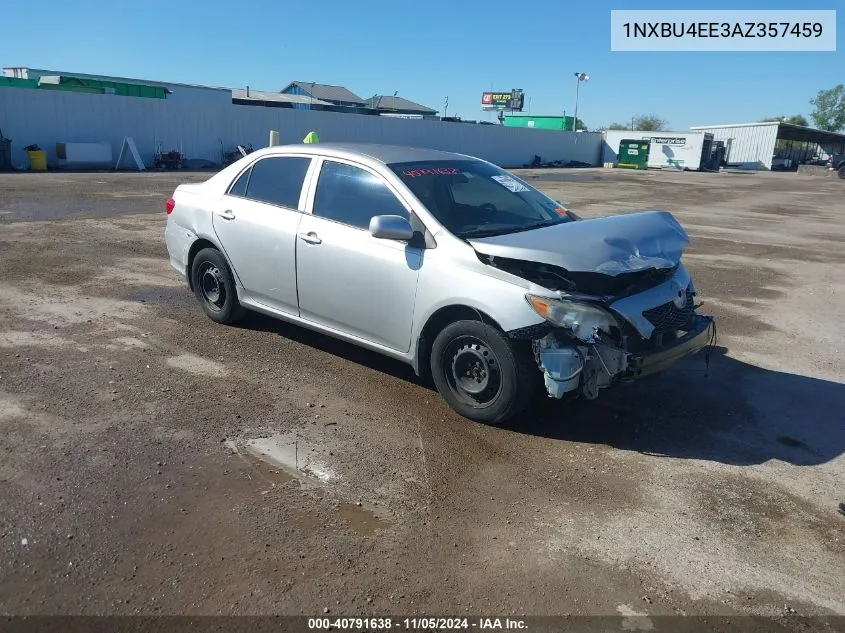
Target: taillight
x,y
169,205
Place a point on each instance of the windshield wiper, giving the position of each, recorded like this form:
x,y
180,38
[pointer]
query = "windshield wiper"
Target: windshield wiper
x,y
536,225
487,233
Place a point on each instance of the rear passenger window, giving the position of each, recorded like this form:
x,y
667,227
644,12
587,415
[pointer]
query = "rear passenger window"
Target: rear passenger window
x,y
239,188
278,180
353,196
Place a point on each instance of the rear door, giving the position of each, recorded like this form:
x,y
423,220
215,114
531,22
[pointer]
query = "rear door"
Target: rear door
x,y
256,222
347,279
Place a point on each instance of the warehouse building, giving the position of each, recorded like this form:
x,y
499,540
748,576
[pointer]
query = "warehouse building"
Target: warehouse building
x,y
336,95
269,99
386,104
774,145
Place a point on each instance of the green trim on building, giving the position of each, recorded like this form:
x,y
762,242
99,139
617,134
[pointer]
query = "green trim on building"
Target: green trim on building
x,y
90,86
562,123
14,82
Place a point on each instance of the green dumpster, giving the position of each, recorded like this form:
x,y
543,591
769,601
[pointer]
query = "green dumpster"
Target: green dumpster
x,y
633,154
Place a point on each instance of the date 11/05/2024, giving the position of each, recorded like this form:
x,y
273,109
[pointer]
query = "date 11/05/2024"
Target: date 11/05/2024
x,y
415,624
722,29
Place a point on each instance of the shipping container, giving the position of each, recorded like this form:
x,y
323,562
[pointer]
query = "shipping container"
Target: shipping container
x,y
668,150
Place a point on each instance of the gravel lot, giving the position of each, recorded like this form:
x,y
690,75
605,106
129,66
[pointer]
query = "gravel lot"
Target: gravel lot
x,y
133,480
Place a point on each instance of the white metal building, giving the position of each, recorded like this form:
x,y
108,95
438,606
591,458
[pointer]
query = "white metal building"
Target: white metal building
x,y
672,150
769,143
206,130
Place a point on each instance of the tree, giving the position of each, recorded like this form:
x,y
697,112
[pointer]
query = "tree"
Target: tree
x,y
580,125
617,126
649,123
830,109
795,119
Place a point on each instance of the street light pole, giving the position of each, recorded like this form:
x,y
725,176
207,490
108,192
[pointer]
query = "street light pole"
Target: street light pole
x,y
579,77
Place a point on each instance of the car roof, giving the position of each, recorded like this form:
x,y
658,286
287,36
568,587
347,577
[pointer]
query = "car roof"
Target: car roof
x,y
382,153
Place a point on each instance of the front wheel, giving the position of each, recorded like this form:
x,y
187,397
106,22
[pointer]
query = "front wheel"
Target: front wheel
x,y
841,172
480,373
214,286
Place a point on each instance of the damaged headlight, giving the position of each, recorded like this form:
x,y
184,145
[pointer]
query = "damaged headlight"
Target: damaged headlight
x,y
582,319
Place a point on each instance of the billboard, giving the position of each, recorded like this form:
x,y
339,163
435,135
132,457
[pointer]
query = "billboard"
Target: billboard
x,y
512,100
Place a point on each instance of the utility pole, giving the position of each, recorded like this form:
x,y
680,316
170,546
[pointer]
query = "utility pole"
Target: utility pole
x,y
579,77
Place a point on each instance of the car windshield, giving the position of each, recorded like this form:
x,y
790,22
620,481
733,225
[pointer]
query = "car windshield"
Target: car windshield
x,y
474,199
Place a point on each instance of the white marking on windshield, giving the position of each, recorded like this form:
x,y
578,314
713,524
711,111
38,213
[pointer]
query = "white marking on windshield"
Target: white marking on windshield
x,y
510,184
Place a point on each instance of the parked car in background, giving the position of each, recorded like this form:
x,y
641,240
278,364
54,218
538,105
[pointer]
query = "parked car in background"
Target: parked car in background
x,y
444,261
837,163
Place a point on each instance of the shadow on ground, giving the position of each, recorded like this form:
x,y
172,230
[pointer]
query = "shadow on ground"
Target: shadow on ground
x,y
324,343
733,413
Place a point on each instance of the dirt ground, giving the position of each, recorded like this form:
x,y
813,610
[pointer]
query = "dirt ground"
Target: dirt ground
x,y
154,462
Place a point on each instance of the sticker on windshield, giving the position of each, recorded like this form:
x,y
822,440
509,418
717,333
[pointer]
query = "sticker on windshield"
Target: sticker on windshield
x,y
437,171
510,183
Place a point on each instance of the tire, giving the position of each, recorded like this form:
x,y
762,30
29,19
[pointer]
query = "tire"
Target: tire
x,y
214,286
481,374
841,172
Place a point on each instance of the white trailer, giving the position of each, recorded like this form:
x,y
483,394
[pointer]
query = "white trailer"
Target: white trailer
x,y
668,150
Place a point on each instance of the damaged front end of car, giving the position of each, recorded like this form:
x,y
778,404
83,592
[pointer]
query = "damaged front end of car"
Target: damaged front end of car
x,y
591,346
630,312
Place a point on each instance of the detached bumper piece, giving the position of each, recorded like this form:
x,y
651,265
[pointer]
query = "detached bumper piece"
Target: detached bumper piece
x,y
697,338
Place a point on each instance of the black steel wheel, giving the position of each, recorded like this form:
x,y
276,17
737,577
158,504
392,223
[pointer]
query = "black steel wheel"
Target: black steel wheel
x,y
214,286
473,374
480,373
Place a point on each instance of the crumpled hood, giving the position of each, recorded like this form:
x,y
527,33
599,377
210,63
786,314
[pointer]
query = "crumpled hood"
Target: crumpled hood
x,y
610,245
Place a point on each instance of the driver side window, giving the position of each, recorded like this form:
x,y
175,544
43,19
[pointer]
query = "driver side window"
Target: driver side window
x,y
352,196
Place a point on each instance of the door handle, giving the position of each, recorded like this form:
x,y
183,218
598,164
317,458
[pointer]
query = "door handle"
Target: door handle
x,y
310,238
228,214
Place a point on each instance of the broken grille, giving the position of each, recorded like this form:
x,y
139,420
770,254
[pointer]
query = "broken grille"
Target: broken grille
x,y
669,317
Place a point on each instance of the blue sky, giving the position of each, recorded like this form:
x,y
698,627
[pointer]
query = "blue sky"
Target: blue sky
x,y
425,51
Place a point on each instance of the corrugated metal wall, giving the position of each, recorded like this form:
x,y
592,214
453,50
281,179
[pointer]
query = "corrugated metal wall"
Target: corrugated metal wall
x,y
201,130
748,144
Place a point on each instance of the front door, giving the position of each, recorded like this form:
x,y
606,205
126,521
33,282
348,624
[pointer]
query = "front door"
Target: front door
x,y
256,222
347,279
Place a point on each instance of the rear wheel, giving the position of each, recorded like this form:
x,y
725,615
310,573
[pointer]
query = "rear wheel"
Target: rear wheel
x,y
480,373
841,172
214,286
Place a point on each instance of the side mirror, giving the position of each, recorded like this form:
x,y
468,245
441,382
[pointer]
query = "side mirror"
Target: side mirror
x,y
391,227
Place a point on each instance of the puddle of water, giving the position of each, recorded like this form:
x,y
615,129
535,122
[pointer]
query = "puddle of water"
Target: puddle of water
x,y
268,470
296,459
291,453
360,519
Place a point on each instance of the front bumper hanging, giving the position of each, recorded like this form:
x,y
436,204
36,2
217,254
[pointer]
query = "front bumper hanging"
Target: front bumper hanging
x,y
696,339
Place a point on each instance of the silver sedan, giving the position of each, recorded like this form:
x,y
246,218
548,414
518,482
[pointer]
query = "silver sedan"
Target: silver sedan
x,y
447,262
